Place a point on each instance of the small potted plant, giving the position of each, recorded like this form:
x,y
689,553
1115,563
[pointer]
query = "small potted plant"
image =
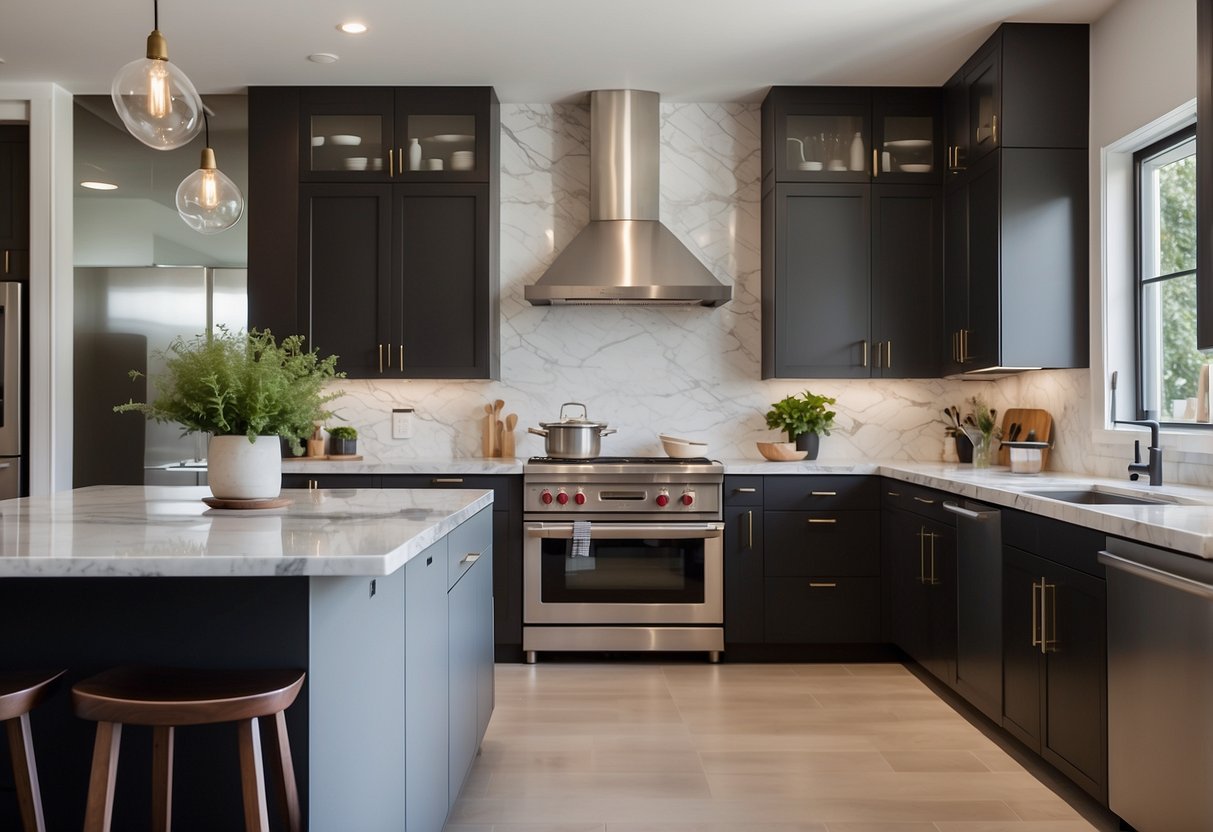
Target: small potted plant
x,y
981,427
343,441
803,418
247,390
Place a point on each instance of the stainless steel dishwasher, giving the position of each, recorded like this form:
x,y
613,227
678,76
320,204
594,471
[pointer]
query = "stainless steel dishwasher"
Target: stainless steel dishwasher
x,y
1160,688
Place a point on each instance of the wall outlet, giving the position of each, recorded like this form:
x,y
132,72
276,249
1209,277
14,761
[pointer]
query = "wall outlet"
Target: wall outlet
x,y
402,423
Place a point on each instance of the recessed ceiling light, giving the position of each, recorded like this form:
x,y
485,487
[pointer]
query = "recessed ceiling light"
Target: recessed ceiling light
x,y
322,58
98,186
352,27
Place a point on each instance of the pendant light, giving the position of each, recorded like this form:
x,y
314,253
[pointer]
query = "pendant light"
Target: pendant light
x,y
154,99
208,200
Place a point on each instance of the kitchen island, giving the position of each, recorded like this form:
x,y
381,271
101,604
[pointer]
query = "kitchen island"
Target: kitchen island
x,y
384,597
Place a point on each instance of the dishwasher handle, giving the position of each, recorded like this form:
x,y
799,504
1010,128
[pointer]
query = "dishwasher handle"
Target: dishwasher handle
x,y
969,513
1160,576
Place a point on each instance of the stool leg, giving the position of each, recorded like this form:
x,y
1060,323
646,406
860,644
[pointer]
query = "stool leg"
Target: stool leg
x,y
274,735
25,773
252,775
162,778
101,780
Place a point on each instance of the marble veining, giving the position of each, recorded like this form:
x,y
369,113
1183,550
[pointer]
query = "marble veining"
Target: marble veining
x,y
148,531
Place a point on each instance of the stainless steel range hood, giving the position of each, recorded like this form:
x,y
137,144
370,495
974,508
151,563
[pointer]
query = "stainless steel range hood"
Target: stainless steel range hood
x,y
625,255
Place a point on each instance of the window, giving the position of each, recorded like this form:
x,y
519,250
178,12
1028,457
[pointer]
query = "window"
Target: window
x,y
1171,369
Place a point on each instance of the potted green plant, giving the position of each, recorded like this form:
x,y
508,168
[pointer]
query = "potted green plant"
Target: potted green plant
x,y
981,427
803,418
247,390
343,441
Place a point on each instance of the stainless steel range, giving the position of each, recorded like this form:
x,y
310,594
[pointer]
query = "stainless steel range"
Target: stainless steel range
x,y
623,554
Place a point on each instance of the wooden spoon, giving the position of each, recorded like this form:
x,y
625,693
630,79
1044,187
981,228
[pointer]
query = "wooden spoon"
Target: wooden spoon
x,y
507,436
486,447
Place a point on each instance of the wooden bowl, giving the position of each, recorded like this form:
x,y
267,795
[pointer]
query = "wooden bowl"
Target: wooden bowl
x,y
781,451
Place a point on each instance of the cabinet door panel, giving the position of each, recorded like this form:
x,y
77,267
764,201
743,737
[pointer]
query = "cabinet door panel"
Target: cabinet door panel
x,y
985,104
941,592
823,610
906,240
345,254
1022,667
823,292
1076,677
907,557
464,656
955,274
441,235
907,134
985,265
743,574
345,134
14,189
426,704
822,543
956,117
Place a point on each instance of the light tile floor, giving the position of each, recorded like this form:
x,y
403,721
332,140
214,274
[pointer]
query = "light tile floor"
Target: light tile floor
x,y
725,748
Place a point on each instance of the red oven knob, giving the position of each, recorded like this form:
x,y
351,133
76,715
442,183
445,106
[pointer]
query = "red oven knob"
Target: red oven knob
x,y
579,498
562,498
688,497
663,500
546,497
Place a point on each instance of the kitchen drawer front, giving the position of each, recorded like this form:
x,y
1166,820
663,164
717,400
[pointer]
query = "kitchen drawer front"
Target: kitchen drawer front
x,y
501,486
919,499
1073,546
471,538
823,610
743,491
330,481
822,542
818,493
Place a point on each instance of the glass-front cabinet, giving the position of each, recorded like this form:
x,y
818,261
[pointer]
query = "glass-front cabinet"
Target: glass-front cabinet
x,y
381,134
853,134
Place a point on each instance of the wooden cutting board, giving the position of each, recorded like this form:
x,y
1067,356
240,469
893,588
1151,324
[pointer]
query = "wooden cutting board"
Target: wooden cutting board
x,y
1031,419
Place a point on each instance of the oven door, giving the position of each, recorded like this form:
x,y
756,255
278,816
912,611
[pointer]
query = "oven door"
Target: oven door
x,y
636,573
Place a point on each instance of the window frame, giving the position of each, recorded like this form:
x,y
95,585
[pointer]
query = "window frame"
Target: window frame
x,y
1140,283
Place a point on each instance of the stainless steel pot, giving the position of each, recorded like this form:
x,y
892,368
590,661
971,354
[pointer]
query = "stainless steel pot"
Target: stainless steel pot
x,y
572,438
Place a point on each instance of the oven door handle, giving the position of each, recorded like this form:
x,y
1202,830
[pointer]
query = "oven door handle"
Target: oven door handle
x,y
616,531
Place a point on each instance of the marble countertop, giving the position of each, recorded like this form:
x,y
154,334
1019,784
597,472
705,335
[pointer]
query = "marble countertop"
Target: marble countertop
x,y
133,531
470,465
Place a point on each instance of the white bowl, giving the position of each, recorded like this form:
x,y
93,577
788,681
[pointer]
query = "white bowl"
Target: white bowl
x,y
317,141
355,163
346,140
678,440
676,451
431,164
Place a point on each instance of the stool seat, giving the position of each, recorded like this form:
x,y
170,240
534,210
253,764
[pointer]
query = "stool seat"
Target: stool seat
x,y
184,696
20,692
166,698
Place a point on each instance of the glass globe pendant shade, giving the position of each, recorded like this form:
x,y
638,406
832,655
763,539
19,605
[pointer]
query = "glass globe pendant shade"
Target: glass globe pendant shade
x,y
207,199
155,100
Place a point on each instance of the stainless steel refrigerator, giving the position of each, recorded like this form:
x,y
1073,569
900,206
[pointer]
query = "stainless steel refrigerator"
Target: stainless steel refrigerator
x,y
123,317
13,391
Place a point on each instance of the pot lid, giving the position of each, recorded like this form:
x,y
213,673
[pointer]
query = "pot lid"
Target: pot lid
x,y
573,423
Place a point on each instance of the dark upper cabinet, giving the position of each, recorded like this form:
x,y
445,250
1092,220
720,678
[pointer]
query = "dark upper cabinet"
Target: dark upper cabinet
x,y
411,293
956,123
984,91
852,134
14,202
819,287
1204,174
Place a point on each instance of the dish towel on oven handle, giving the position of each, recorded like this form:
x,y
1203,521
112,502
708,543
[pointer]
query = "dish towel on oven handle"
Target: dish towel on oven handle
x,y
581,539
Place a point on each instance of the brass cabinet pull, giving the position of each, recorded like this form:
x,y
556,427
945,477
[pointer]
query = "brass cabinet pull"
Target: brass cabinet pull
x,y
933,581
1048,644
893,493
925,501
744,490
823,493
875,167
822,584
312,485
964,345
994,129
400,160
389,356
447,481
402,358
1036,640
381,358
888,355
865,353
825,521
750,529
879,344
391,164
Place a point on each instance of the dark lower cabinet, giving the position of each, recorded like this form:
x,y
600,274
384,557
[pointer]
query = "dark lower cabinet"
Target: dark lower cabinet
x,y
809,543
1055,665
823,610
743,571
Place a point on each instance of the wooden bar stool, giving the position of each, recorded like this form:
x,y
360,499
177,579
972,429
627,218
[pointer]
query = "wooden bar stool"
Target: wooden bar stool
x,y
20,692
168,697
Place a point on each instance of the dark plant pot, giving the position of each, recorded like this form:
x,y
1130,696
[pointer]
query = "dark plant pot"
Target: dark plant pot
x,y
964,448
343,447
810,442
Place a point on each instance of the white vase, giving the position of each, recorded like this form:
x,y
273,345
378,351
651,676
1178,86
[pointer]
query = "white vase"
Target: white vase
x,y
415,155
858,158
241,470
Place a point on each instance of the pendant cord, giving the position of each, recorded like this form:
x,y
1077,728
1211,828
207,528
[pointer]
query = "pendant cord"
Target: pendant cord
x,y
156,14
206,124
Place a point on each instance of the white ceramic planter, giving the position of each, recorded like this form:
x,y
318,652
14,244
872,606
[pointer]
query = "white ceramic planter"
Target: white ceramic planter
x,y
241,470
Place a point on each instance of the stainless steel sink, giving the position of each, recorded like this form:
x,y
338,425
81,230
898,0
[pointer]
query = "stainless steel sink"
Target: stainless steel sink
x,y
1098,497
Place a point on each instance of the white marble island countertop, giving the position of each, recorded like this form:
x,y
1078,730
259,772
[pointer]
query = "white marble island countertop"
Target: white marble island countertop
x,y
167,531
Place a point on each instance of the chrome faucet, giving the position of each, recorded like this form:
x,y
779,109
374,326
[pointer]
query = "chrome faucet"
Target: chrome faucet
x,y
1154,466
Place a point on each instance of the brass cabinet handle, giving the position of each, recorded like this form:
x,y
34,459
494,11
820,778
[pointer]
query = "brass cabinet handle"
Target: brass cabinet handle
x,y
823,493
925,501
893,493
875,167
865,353
1036,641
933,582
391,163
402,358
1048,644
888,355
750,529
400,160
447,481
389,356
822,584
879,344
744,490
381,358
312,485
825,521
994,129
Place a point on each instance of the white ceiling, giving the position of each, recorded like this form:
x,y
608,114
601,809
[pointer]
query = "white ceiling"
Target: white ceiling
x,y
531,50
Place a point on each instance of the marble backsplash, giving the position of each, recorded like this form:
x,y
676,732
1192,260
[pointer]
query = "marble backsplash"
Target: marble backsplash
x,y
647,370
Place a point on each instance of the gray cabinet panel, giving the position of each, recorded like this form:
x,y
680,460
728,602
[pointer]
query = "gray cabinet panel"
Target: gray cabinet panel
x,y
463,622
426,692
